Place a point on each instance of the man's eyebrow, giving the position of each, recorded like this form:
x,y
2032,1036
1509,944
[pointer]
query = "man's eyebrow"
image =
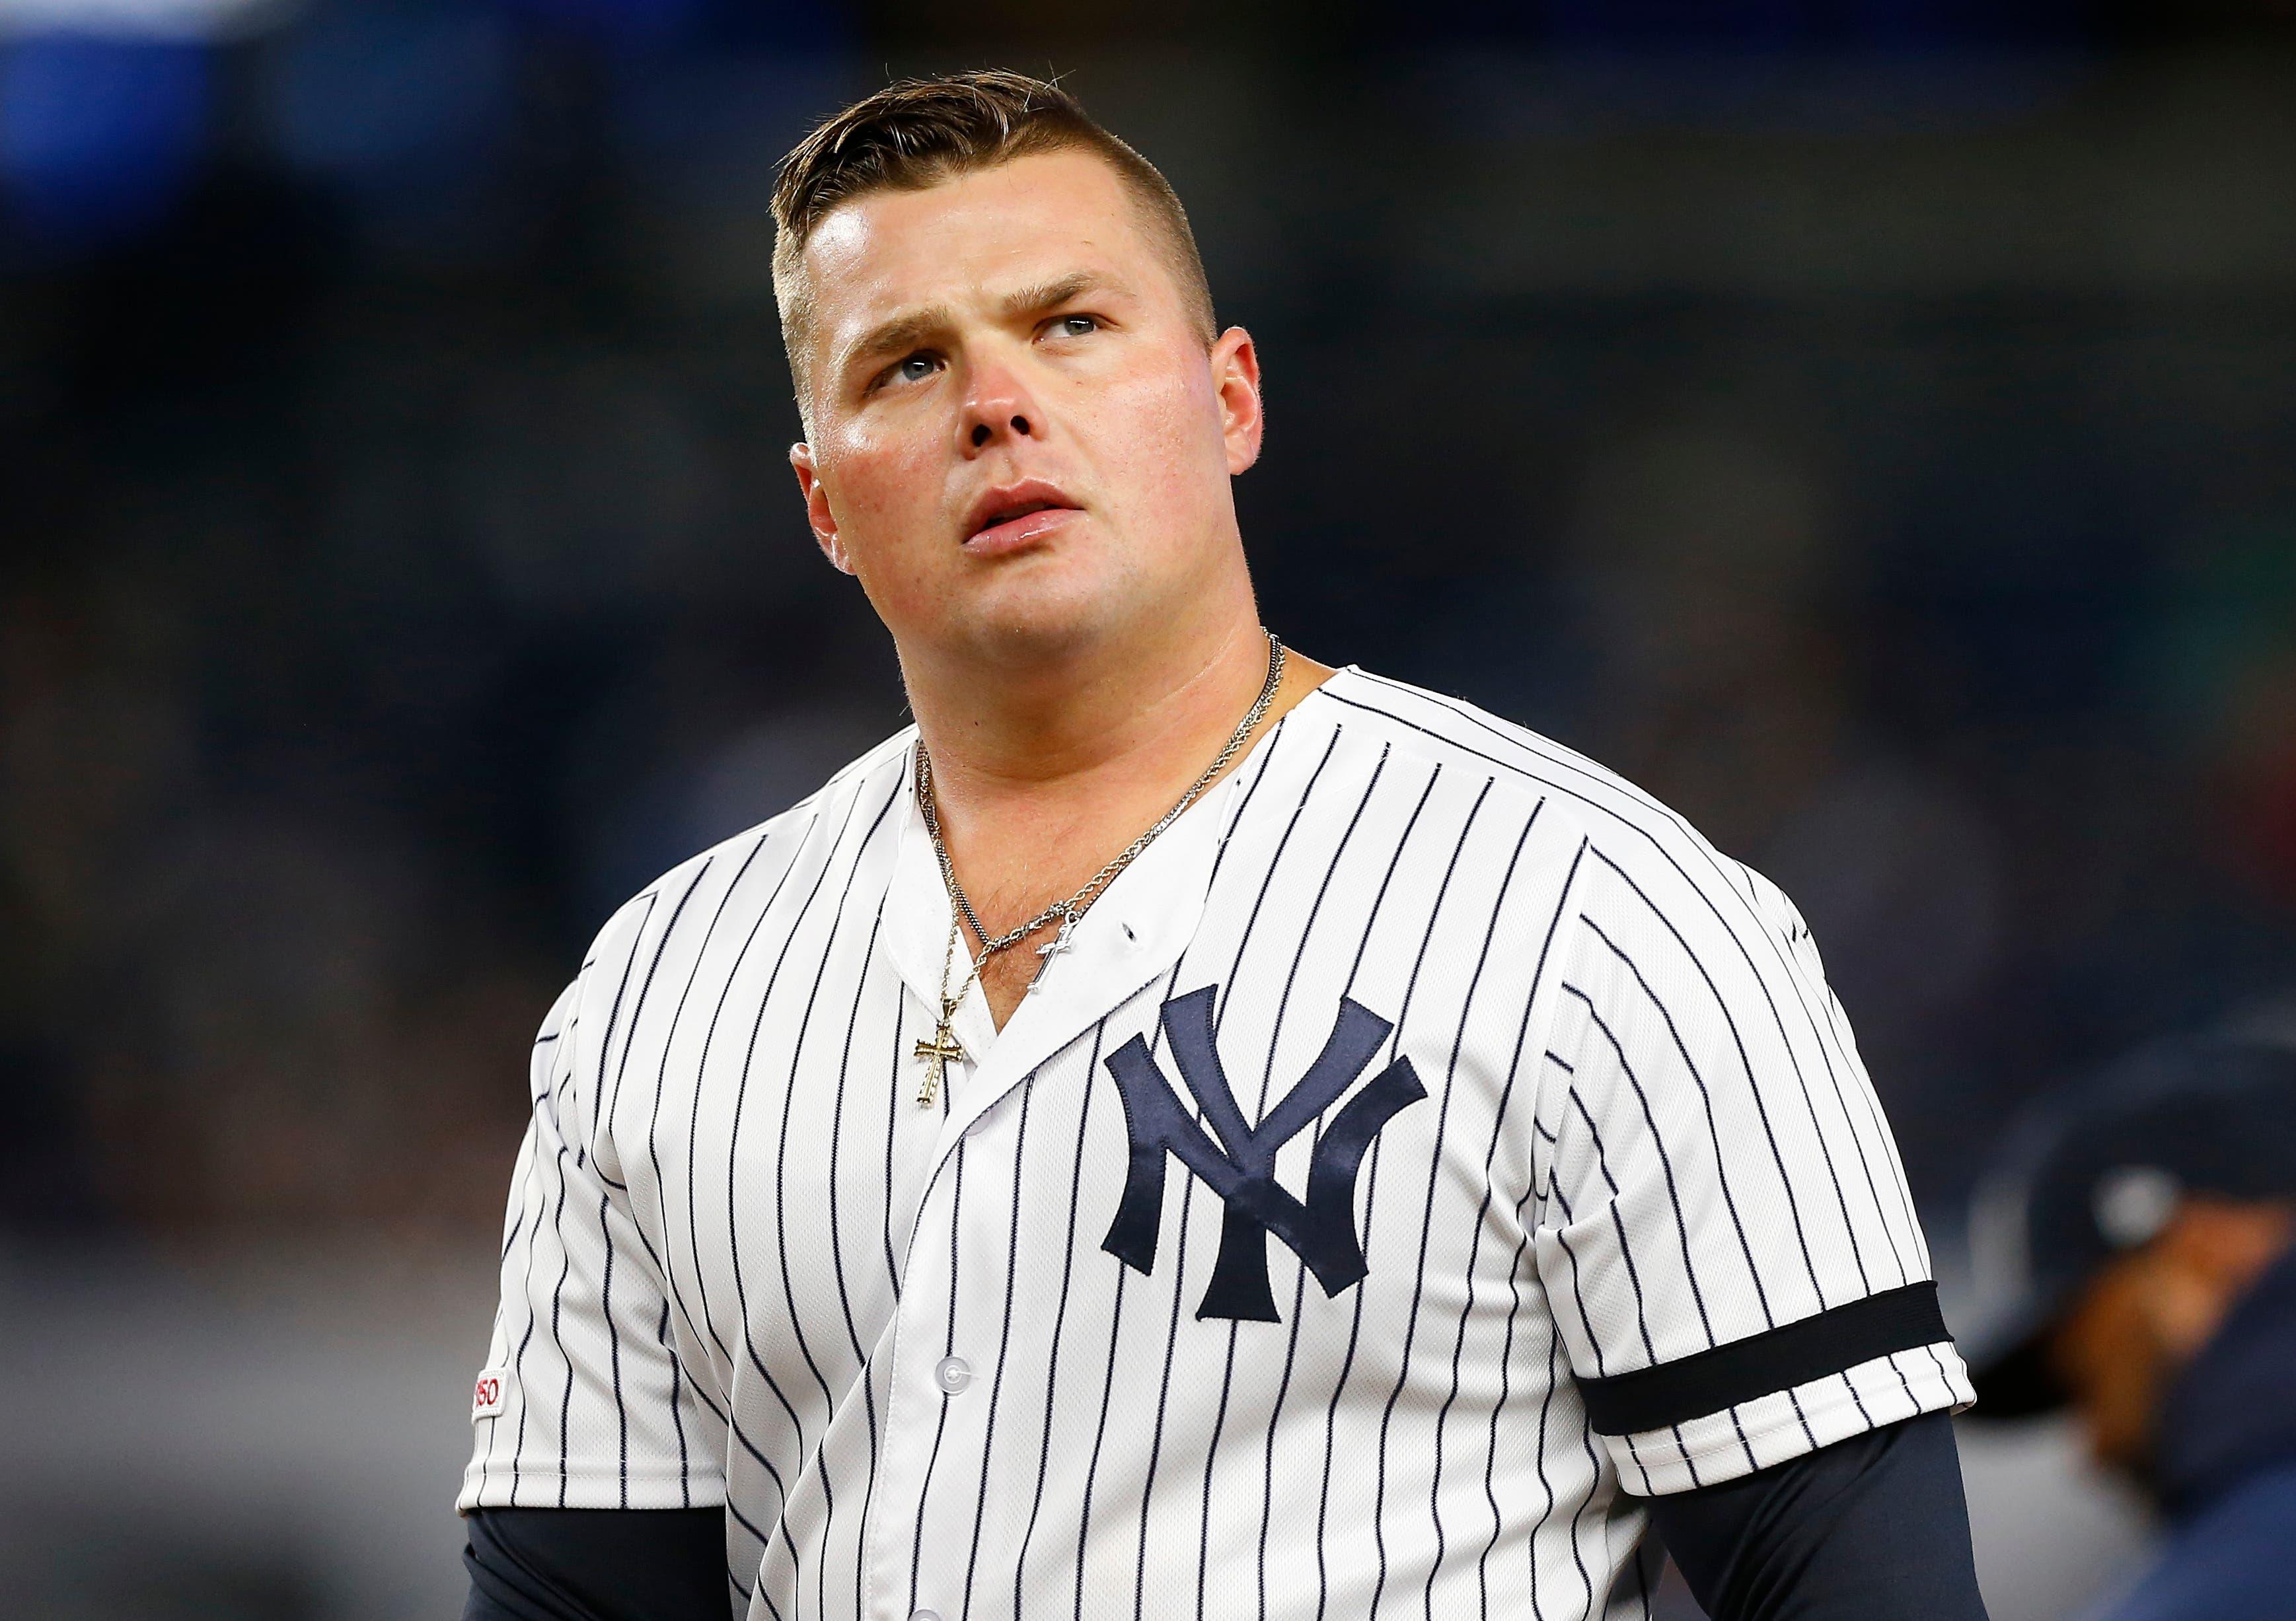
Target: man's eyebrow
x,y
900,333
1059,290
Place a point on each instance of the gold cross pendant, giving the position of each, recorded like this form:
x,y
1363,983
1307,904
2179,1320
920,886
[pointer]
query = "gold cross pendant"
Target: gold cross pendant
x,y
938,1053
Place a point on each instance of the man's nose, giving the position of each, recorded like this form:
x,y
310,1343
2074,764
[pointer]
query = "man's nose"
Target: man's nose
x,y
982,432
998,410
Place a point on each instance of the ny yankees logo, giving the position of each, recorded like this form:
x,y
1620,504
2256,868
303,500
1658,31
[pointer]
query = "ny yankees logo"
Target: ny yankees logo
x,y
1240,1167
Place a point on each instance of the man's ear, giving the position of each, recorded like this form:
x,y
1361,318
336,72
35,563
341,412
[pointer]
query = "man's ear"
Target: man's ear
x,y
817,513
1235,377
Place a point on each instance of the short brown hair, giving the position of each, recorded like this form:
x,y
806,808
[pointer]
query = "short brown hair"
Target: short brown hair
x,y
919,132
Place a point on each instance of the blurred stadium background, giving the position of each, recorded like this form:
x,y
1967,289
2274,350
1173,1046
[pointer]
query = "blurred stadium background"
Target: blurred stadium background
x,y
1866,424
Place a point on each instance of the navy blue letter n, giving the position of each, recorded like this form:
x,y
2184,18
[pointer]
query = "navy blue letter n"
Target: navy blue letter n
x,y
1240,1167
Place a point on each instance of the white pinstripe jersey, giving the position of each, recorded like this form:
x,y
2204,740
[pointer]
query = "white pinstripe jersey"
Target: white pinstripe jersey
x,y
1430,1147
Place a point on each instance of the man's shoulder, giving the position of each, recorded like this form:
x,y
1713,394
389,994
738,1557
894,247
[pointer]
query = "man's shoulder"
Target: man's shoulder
x,y
1461,735
1641,841
873,777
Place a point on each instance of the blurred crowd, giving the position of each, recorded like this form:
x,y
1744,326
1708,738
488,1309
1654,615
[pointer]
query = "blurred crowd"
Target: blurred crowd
x,y
398,564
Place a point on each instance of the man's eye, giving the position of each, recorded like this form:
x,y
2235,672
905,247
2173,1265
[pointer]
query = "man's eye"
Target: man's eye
x,y
1077,326
916,368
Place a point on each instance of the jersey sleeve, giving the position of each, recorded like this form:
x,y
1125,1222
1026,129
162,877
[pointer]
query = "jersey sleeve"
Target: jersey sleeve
x,y
583,1403
1723,1226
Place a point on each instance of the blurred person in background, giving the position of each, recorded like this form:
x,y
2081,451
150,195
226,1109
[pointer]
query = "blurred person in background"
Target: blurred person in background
x,y
2133,1241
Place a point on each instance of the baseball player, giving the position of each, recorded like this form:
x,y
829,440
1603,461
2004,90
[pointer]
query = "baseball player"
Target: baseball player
x,y
1181,1131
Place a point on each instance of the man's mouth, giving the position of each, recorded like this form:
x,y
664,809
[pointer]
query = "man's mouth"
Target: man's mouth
x,y
1015,515
1008,514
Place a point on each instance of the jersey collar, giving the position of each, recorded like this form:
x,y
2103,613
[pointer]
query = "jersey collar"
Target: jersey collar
x,y
1132,935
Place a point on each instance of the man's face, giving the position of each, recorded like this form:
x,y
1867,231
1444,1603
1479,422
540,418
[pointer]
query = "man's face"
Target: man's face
x,y
2108,1356
1019,442
2140,1321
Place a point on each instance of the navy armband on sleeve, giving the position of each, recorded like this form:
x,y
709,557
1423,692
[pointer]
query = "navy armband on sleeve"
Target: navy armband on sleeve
x,y
1796,1353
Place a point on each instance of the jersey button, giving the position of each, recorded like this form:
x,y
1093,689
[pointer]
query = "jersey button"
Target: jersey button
x,y
952,1374
925,1614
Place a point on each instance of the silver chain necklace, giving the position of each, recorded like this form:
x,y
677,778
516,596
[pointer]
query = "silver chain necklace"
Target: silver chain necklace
x,y
943,1048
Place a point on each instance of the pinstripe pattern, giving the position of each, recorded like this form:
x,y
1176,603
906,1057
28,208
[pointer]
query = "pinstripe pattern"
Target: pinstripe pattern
x,y
736,1249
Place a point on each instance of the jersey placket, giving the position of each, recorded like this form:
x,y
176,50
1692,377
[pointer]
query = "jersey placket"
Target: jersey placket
x,y
942,1344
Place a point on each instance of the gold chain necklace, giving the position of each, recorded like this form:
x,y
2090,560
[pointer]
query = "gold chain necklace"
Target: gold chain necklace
x,y
944,1049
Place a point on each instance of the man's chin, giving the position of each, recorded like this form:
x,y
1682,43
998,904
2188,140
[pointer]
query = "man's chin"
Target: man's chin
x,y
1038,622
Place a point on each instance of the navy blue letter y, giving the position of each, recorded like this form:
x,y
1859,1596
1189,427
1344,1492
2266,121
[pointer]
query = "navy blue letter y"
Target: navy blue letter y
x,y
1322,1231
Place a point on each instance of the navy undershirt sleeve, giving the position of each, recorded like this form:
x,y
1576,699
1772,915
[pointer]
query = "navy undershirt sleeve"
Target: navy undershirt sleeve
x,y
1872,1529
597,1565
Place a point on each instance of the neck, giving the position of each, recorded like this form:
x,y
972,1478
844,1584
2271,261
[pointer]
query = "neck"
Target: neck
x,y
1040,779
1118,711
